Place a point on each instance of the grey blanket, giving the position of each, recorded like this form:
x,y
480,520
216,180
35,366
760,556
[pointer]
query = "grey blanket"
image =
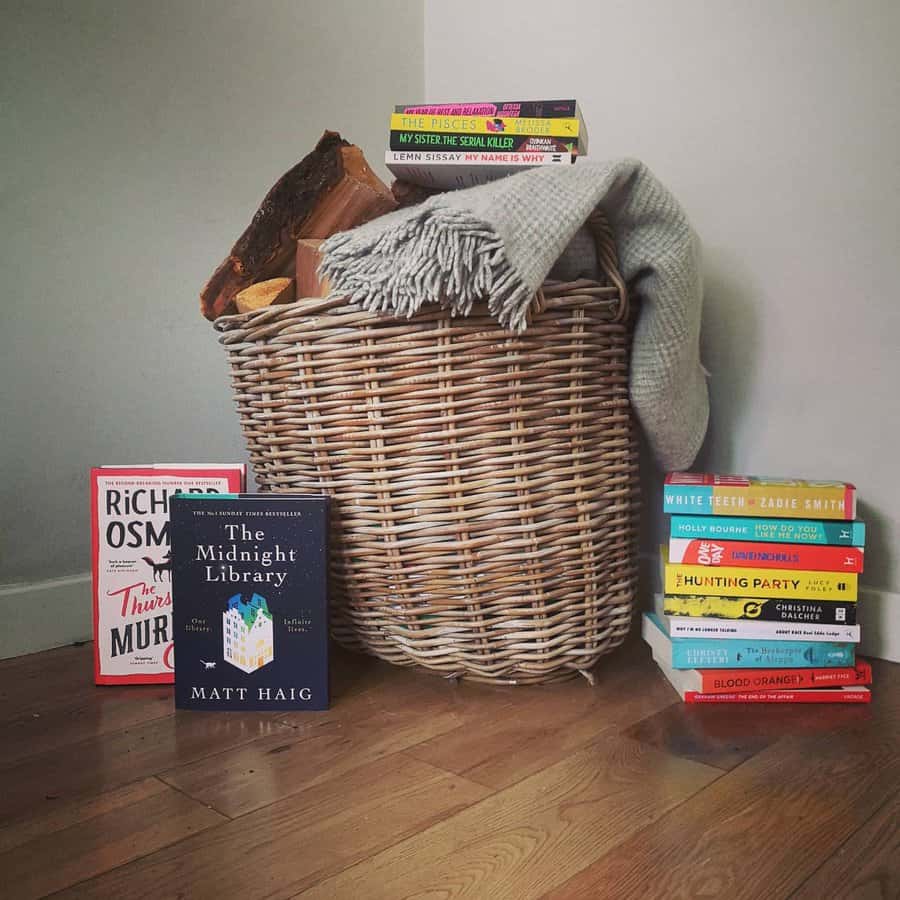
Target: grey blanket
x,y
503,239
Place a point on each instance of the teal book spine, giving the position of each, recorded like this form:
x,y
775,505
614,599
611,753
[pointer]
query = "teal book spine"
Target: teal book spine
x,y
782,531
712,653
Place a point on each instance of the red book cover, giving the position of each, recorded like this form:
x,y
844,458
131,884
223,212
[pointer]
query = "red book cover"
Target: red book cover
x,y
810,695
817,557
714,681
132,565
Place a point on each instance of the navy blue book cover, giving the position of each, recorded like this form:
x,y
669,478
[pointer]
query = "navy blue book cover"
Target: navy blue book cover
x,y
250,601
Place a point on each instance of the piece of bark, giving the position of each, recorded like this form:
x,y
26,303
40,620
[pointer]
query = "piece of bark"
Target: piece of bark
x,y
309,283
408,194
330,190
265,293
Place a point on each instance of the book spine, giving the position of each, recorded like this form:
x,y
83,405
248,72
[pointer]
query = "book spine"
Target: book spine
x,y
742,629
824,612
775,584
800,501
717,681
782,531
567,127
706,653
540,109
826,695
490,143
452,173
699,552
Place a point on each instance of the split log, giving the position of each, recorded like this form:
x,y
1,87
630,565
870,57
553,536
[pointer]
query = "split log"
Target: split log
x,y
309,284
330,190
265,293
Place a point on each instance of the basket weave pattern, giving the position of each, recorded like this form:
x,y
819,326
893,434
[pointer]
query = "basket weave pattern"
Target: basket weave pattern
x,y
483,483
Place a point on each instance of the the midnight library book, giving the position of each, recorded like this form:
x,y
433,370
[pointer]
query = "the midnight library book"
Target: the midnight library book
x,y
249,586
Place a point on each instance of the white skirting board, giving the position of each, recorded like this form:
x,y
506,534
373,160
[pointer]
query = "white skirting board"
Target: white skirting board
x,y
40,615
879,616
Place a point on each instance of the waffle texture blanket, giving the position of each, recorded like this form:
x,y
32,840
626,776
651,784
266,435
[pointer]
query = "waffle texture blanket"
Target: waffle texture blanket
x,y
503,239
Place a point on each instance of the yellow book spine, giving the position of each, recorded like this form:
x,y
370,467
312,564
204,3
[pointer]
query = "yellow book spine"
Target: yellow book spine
x,y
565,127
781,501
737,581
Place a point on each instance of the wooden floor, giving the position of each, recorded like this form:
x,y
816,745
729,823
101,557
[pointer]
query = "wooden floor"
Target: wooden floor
x,y
414,787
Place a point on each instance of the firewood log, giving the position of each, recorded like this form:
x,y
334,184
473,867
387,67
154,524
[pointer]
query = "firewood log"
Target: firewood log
x,y
265,293
330,190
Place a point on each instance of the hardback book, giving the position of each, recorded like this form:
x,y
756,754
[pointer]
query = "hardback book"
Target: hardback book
x,y
785,531
746,581
715,653
449,171
539,109
730,681
682,681
823,612
747,495
754,629
481,143
705,552
132,564
571,128
251,604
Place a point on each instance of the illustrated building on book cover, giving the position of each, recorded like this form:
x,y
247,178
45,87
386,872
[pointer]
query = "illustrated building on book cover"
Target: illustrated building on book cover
x,y
248,636
250,601
132,564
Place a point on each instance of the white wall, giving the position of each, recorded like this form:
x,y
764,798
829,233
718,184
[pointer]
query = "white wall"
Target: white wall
x,y
138,140
777,125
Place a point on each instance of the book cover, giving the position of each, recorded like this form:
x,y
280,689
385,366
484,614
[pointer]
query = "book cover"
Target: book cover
x,y
749,581
749,495
131,564
481,143
826,612
718,681
715,653
449,171
755,630
251,610
705,552
783,531
564,127
540,109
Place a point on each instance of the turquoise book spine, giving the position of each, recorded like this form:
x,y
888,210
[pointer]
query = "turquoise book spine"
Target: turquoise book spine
x,y
712,653
782,531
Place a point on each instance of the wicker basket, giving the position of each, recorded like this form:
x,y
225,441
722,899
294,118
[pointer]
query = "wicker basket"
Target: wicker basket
x,y
484,483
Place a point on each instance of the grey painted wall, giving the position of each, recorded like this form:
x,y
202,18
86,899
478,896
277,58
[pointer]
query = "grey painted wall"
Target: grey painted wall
x,y
138,140
777,125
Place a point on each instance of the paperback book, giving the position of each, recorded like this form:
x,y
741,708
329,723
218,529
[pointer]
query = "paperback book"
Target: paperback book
x,y
537,109
742,495
783,531
132,564
460,170
723,681
564,127
483,143
250,592
773,584
824,612
715,653
704,552
682,681
753,629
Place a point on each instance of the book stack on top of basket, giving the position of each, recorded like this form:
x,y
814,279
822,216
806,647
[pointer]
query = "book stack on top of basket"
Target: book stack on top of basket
x,y
760,591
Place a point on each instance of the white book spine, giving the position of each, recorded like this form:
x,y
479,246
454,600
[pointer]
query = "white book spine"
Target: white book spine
x,y
737,629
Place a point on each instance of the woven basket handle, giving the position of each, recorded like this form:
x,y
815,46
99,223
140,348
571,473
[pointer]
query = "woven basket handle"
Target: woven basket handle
x,y
607,261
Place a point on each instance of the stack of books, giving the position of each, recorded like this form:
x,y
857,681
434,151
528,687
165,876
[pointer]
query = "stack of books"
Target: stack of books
x,y
457,145
760,591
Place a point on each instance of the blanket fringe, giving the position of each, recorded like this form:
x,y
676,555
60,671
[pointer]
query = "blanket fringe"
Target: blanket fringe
x,y
440,255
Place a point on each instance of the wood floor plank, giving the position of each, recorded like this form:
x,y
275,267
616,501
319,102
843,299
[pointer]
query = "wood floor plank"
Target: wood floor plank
x,y
866,866
111,760
765,827
725,736
521,841
547,723
249,777
101,841
298,841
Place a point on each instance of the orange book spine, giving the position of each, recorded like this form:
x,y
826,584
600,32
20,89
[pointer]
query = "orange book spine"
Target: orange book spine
x,y
719,681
